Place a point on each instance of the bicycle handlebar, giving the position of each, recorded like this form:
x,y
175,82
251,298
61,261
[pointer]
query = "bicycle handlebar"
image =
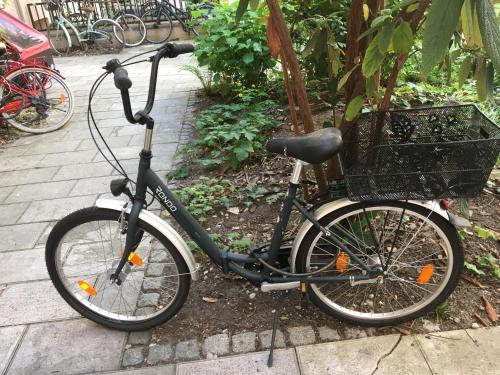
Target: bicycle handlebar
x,y
123,82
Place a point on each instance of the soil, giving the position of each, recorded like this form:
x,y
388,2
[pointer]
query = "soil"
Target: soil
x,y
220,303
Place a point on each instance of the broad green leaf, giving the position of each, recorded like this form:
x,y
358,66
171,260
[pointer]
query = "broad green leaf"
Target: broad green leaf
x,y
254,4
242,8
311,43
402,39
232,41
366,12
373,58
405,3
370,87
482,90
380,20
484,233
490,30
473,268
346,76
353,108
385,37
412,8
442,20
490,82
248,58
464,71
496,271
488,260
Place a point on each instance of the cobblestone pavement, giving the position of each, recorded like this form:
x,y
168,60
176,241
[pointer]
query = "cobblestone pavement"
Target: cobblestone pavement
x,y
45,177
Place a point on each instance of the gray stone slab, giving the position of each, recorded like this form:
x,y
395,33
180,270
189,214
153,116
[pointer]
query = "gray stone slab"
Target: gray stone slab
x,y
69,347
42,148
301,335
454,352
488,342
28,176
265,339
216,344
139,338
358,357
55,209
10,337
187,350
27,265
68,158
77,171
157,370
5,192
41,191
406,359
244,342
328,334
33,302
96,185
19,162
22,236
160,353
88,144
122,153
172,137
285,363
133,356
11,212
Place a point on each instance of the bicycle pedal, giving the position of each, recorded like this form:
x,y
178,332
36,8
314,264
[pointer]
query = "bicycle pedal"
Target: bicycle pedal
x,y
304,298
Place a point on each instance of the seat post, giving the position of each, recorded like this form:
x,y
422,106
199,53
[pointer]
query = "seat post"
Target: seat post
x,y
297,169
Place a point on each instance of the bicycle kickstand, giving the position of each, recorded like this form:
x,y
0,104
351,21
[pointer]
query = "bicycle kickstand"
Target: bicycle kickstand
x,y
275,324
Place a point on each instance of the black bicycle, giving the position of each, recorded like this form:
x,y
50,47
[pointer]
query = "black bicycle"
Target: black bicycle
x,y
370,263
158,18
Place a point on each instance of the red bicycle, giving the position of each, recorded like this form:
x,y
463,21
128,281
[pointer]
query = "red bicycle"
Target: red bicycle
x,y
33,97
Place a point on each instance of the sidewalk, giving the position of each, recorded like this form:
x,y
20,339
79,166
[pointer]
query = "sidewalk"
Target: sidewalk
x,y
475,351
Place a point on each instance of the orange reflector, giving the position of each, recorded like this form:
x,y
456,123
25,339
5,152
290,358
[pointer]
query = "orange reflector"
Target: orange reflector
x,y
425,274
342,262
62,97
135,259
86,287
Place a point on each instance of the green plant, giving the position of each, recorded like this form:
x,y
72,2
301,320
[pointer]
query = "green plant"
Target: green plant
x,y
206,78
483,264
179,173
235,52
237,242
206,196
442,310
232,133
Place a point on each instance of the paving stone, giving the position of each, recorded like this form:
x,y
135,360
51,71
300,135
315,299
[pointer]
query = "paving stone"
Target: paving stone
x,y
68,347
33,302
10,337
139,338
22,236
19,162
217,344
12,212
454,352
301,335
89,144
55,209
328,334
37,192
148,299
152,283
42,148
5,192
158,256
358,357
155,269
67,158
122,153
265,339
133,357
244,342
157,370
187,350
28,176
160,353
78,171
250,364
96,185
406,359
354,333
27,265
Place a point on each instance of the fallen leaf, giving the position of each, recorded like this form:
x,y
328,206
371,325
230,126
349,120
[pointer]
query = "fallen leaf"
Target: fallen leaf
x,y
404,330
234,210
490,311
210,299
473,281
481,320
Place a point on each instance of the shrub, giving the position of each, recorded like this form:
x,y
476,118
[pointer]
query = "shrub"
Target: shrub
x,y
235,52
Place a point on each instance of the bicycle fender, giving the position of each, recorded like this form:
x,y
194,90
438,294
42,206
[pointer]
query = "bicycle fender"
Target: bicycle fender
x,y
335,205
162,226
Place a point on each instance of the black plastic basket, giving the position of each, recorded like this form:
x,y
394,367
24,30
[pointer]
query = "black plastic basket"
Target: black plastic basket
x,y
423,153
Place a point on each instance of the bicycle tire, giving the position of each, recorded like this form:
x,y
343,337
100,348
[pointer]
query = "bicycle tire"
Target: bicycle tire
x,y
360,312
157,33
103,35
131,25
85,306
58,38
63,94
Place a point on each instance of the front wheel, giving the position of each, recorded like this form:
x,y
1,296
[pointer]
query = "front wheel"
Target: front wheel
x,y
133,29
419,250
84,249
107,35
59,38
159,25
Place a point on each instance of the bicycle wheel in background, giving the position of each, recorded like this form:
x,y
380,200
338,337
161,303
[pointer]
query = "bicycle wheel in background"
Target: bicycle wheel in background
x,y
107,35
133,28
158,29
84,249
425,266
48,101
59,38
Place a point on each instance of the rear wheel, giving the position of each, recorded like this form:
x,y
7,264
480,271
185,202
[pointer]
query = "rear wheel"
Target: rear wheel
x,y
159,25
133,29
83,251
107,35
58,38
418,248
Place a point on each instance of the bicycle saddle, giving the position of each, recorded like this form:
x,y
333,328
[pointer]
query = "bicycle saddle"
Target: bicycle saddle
x,y
89,9
313,148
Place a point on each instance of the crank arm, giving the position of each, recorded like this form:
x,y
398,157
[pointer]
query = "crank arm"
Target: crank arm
x,y
378,279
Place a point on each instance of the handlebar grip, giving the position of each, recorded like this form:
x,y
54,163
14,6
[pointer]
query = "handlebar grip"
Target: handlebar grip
x,y
122,82
176,49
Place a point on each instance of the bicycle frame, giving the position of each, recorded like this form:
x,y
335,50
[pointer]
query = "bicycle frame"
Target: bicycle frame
x,y
230,262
